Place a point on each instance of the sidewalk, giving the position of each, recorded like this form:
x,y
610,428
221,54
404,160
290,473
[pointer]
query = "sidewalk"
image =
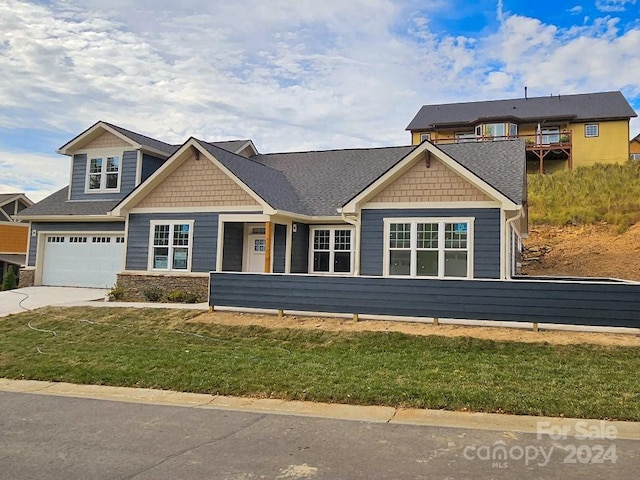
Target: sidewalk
x,y
375,414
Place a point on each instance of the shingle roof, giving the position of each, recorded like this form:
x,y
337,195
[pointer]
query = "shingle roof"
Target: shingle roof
x,y
581,107
269,183
58,204
326,180
501,164
230,145
144,140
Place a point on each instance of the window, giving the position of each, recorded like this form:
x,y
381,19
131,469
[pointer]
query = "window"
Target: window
x,y
591,130
55,239
425,136
550,135
170,245
101,240
495,130
331,250
103,173
513,130
429,247
78,239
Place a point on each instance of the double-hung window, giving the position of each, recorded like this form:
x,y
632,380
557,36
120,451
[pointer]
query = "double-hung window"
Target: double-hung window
x,y
103,173
170,245
332,250
429,247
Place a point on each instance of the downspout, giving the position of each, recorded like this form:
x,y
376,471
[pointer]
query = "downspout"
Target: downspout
x,y
355,221
508,263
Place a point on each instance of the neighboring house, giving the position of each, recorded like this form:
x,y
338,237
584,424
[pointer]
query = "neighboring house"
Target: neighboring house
x,y
449,211
74,239
634,148
13,234
560,131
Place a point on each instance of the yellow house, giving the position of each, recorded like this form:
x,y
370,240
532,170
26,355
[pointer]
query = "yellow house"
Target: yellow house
x,y
634,148
559,131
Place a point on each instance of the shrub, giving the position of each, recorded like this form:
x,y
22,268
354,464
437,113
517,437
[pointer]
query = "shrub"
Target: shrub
x,y
182,297
9,280
117,293
152,294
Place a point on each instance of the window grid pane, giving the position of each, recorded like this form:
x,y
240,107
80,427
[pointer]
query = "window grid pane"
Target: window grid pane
x,y
161,235
455,235
181,235
342,240
112,164
427,235
321,240
95,166
400,235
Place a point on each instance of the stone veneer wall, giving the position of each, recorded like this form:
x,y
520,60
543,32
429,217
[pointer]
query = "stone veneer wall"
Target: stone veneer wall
x,y
27,277
134,285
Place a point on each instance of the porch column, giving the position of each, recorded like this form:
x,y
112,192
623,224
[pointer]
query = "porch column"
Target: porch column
x,y
268,240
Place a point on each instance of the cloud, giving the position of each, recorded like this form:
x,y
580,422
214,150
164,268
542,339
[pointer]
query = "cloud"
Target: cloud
x,y
613,5
34,174
575,10
290,75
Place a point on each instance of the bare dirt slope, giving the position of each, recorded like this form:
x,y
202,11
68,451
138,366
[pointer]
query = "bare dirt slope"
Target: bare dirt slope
x,y
589,251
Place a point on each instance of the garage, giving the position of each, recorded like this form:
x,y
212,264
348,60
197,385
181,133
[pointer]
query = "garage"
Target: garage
x,y
82,260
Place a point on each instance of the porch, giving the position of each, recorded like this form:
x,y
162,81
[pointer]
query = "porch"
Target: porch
x,y
547,150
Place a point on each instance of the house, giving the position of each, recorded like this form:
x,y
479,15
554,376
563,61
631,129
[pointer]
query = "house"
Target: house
x,y
446,211
13,234
560,131
74,239
634,148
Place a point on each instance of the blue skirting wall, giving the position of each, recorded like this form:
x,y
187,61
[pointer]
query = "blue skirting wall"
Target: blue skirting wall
x,y
598,303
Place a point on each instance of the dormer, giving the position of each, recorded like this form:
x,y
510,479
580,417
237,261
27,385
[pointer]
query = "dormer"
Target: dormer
x,y
108,162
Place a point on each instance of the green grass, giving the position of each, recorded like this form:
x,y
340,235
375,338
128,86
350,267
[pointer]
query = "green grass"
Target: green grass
x,y
601,193
132,347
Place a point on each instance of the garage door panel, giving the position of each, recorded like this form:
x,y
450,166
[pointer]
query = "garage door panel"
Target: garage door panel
x,y
82,260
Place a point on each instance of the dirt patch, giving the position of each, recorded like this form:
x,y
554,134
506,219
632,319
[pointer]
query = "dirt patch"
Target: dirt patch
x,y
414,328
586,251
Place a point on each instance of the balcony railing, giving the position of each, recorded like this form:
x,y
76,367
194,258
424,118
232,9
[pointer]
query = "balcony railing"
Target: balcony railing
x,y
535,141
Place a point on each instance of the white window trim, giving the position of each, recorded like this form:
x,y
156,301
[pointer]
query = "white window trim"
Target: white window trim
x,y
425,136
332,229
103,178
441,250
586,128
171,223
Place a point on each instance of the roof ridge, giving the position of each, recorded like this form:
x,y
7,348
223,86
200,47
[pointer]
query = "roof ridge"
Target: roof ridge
x,y
335,150
540,97
137,133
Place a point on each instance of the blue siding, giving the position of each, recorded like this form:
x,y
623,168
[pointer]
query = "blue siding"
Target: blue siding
x,y
486,237
71,227
149,165
233,247
205,234
300,249
567,302
127,178
279,248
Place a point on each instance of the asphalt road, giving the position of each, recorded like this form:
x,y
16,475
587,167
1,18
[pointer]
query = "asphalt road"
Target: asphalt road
x,y
49,437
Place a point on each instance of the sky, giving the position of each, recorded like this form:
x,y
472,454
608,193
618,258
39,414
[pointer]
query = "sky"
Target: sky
x,y
293,75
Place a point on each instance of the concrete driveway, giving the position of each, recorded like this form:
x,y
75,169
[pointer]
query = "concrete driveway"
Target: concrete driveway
x,y
28,298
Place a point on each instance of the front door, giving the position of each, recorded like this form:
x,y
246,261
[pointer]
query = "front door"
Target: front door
x,y
257,247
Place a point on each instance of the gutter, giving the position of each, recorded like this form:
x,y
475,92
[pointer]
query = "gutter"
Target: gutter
x,y
355,221
508,224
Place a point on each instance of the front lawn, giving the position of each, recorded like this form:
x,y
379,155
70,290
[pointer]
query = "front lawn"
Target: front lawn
x,y
158,348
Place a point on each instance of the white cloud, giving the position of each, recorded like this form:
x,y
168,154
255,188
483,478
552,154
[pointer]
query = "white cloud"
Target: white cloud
x,y
291,75
35,175
613,5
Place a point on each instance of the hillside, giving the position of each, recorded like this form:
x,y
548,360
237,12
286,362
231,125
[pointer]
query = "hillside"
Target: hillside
x,y
595,250
585,223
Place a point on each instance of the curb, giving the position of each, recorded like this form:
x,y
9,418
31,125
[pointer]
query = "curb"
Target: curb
x,y
375,414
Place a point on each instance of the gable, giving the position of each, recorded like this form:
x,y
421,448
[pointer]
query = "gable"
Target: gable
x,y
197,183
437,183
105,140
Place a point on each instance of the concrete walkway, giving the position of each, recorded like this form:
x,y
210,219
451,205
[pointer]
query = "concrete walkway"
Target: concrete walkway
x,y
29,298
375,414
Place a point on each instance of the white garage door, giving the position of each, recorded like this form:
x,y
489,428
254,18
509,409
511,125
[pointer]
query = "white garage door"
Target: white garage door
x,y
82,260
